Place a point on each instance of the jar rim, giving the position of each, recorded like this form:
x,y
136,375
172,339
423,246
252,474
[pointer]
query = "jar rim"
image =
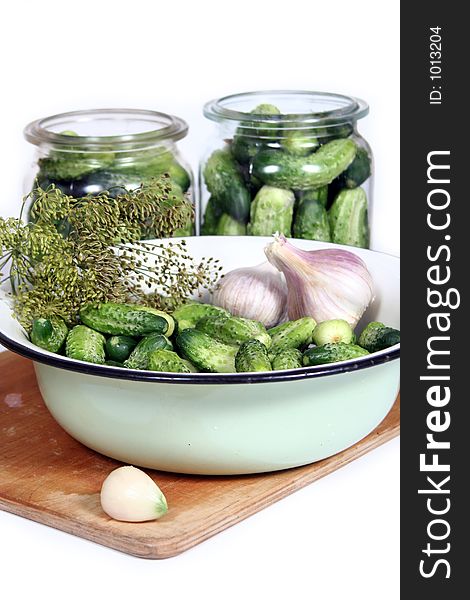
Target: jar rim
x,y
168,126
347,109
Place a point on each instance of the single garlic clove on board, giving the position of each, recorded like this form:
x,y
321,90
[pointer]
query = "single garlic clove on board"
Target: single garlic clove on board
x,y
129,494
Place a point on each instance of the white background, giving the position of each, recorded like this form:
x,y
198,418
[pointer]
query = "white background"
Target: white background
x,y
338,538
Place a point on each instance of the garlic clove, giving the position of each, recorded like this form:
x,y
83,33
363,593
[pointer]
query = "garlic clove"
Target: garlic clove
x,y
323,284
258,293
129,494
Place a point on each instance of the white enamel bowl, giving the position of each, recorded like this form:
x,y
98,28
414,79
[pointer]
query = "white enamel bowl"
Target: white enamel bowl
x,y
216,424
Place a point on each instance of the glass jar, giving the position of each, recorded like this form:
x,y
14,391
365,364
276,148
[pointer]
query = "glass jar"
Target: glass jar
x,y
114,150
287,161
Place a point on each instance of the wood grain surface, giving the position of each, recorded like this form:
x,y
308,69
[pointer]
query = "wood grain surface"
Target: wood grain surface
x,y
46,476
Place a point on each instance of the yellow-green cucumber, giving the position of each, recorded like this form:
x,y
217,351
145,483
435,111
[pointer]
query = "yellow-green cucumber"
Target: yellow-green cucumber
x,y
85,344
126,319
271,211
252,356
348,217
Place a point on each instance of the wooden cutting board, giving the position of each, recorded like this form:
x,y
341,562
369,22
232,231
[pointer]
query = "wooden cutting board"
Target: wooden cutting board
x,y
46,476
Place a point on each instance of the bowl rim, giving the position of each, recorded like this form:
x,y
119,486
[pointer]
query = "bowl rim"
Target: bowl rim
x,y
118,373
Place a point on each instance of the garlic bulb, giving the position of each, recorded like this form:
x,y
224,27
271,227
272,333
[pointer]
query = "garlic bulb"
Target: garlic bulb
x,y
257,293
323,284
129,494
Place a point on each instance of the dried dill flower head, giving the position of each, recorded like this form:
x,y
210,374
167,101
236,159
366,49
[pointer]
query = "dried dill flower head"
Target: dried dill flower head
x,y
79,251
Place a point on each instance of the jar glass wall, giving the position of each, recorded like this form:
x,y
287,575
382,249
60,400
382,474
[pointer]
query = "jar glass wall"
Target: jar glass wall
x,y
291,162
109,150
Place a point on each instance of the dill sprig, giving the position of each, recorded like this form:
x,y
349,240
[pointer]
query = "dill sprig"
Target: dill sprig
x,y
78,251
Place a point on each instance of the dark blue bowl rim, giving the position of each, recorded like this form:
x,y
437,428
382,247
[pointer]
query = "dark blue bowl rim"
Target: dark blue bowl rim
x,y
198,378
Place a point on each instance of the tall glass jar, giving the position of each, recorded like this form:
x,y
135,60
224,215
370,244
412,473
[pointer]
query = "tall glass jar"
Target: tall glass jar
x,y
287,161
114,150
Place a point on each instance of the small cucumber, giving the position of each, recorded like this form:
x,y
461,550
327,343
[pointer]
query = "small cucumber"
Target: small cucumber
x,y
299,142
280,169
166,360
126,319
49,334
349,218
85,344
234,330
332,332
330,353
289,358
377,336
252,356
187,315
205,352
227,225
244,146
338,131
250,135
320,194
139,357
212,215
119,347
293,334
358,171
224,180
268,129
311,221
271,211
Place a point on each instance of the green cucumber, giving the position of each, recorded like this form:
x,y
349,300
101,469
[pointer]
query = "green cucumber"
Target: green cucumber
x,y
49,334
271,211
244,147
338,131
224,180
330,353
252,356
212,215
320,194
311,221
126,319
85,344
119,347
377,336
358,171
139,357
187,315
205,352
292,334
227,225
280,169
299,142
348,217
250,135
288,358
233,330
166,360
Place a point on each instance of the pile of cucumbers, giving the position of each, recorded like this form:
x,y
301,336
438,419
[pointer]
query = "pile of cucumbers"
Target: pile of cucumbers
x,y
303,183
202,337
